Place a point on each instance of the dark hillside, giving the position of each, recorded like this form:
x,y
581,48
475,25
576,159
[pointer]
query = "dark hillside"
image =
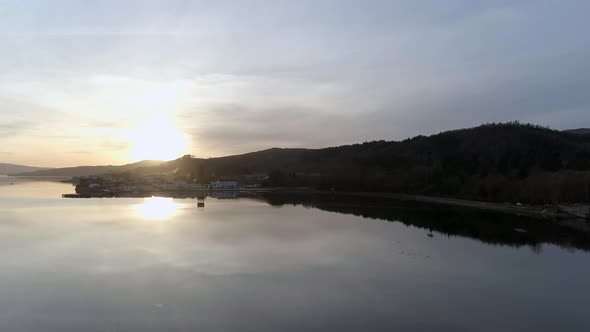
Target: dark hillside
x,y
496,162
579,131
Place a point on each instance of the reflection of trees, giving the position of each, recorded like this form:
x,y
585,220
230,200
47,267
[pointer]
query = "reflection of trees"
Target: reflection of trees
x,y
487,227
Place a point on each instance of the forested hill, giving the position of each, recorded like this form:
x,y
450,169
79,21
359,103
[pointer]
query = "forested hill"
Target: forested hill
x,y
496,162
581,131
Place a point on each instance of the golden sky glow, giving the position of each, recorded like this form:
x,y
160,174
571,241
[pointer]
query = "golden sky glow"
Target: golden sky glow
x,y
155,140
113,82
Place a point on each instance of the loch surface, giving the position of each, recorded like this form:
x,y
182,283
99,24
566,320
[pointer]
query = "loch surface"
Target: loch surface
x,y
281,263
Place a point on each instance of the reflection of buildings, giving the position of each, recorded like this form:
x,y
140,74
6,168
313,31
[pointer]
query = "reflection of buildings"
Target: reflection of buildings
x,y
225,194
180,185
201,200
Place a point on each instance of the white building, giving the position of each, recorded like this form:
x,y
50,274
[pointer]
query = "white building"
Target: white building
x,y
127,187
224,185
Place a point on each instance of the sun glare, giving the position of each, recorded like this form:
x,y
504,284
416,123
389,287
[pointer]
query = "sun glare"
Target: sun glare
x,y
156,141
157,208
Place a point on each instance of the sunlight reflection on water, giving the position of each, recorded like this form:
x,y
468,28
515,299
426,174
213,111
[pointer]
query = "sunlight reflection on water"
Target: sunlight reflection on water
x,y
157,208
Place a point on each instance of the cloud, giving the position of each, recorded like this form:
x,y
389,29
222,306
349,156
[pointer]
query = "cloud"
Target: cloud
x,y
551,92
299,73
111,145
19,114
14,128
236,128
102,124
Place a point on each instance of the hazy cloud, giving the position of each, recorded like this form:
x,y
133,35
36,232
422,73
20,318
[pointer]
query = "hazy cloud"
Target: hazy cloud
x,y
109,144
14,128
102,124
240,76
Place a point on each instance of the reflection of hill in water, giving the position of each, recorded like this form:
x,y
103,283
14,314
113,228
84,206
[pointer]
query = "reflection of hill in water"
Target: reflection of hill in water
x,y
487,227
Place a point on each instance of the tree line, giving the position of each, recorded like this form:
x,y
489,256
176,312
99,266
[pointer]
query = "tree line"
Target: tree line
x,y
508,162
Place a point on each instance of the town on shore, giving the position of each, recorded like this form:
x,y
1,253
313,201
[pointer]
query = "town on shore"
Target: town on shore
x,y
113,185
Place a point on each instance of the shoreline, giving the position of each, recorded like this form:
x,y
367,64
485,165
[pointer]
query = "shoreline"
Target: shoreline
x,y
538,211
551,211
564,215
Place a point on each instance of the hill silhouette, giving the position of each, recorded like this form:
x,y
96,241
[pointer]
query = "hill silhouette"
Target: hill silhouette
x,y
496,162
580,131
6,169
91,170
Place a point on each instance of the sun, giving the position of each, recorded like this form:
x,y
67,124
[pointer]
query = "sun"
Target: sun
x,y
156,140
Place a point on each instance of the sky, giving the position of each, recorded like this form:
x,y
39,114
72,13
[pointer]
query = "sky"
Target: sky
x,y
112,82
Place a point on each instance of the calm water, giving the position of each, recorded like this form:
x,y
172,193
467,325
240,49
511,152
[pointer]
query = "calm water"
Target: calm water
x,y
280,263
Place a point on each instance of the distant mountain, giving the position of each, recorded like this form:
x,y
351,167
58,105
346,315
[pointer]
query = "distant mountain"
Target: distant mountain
x,y
580,131
6,169
91,170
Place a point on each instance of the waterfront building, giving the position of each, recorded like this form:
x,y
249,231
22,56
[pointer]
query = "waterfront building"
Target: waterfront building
x,y
224,184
